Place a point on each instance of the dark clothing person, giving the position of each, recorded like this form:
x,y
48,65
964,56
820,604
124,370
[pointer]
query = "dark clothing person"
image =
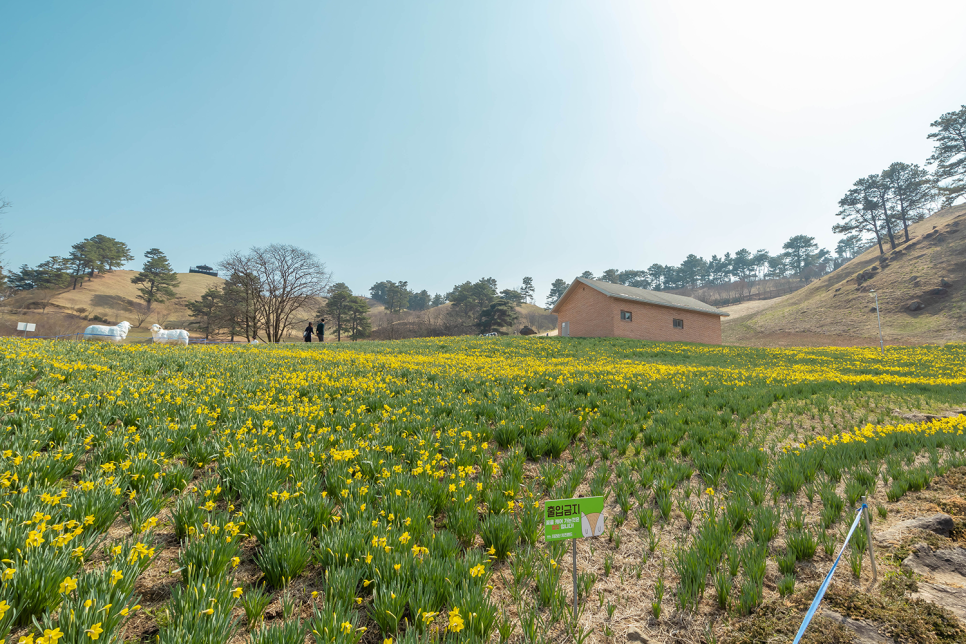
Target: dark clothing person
x,y
307,335
320,331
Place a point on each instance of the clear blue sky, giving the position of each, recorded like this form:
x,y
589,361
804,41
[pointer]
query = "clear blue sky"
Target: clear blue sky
x,y
438,142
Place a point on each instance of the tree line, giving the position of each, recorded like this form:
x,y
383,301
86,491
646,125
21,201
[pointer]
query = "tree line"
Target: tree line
x,y
92,256
476,306
800,257
398,297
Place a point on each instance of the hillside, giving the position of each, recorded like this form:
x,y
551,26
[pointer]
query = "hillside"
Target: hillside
x,y
110,296
921,296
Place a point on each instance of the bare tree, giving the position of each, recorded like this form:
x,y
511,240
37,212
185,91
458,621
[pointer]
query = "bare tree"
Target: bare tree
x,y
140,313
46,293
162,314
281,279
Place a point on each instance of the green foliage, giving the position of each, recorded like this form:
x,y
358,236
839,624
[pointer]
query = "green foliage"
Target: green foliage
x,y
498,315
394,458
949,155
286,632
200,613
658,598
283,558
764,526
786,585
388,603
802,544
786,563
156,280
723,582
254,601
207,554
750,597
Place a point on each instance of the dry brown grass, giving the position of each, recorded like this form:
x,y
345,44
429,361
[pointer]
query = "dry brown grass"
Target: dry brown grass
x,y
111,296
838,309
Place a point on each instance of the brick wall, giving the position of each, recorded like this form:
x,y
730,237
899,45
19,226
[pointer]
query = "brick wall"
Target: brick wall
x,y
588,312
592,314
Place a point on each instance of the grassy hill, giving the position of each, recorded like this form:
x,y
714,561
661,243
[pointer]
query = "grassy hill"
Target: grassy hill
x,y
110,296
839,308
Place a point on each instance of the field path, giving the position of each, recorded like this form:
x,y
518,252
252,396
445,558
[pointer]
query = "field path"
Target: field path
x,y
747,308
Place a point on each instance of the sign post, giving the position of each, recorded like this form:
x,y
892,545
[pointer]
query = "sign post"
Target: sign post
x,y
574,519
25,326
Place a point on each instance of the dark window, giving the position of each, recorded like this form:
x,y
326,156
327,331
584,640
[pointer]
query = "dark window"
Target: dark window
x,y
678,324
626,315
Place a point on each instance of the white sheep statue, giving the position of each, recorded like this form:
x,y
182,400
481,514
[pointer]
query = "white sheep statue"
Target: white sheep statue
x,y
107,333
174,336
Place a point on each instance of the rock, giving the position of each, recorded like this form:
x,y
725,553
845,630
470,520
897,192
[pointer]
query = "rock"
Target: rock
x,y
940,523
874,269
527,331
945,283
946,567
953,599
634,635
864,633
938,292
872,309
916,417
916,306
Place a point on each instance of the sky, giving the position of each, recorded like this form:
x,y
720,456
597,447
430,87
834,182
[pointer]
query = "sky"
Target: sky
x,y
439,142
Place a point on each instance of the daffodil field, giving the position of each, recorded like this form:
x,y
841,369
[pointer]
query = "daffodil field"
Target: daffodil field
x,y
378,492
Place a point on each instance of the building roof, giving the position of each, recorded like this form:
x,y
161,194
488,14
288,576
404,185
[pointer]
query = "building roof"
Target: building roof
x,y
642,295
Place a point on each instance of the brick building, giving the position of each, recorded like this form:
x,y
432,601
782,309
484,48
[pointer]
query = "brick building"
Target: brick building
x,y
595,309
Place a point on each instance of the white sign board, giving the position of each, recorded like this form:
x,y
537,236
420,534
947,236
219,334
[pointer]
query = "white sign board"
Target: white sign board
x,y
26,326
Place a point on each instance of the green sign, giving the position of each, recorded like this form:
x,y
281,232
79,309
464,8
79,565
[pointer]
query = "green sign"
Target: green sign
x,y
574,518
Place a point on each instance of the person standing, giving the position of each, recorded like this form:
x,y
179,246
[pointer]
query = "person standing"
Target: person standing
x,y
307,334
320,330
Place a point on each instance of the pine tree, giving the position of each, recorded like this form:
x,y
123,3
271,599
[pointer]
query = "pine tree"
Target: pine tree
x,y
949,155
397,296
910,191
419,301
527,289
336,311
157,278
611,275
233,314
207,310
861,212
360,326
557,289
111,253
498,315
800,248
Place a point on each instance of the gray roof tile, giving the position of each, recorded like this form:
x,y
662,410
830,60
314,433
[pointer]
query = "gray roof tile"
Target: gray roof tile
x,y
650,297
